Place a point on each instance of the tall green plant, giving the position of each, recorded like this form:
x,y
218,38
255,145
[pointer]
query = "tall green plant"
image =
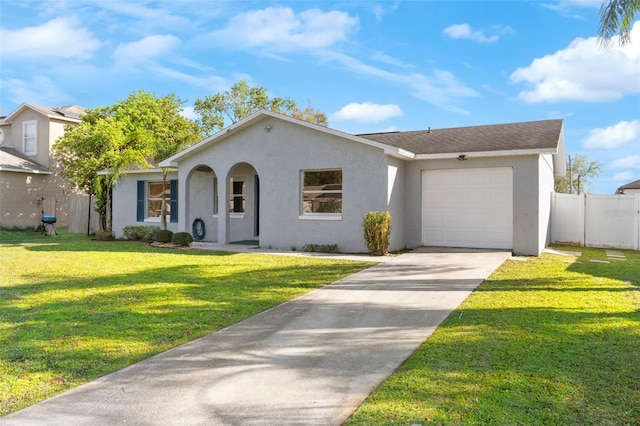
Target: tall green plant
x,y
377,230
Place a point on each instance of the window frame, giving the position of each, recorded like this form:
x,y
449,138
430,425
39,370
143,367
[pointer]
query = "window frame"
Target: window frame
x,y
306,215
233,196
144,194
35,137
149,199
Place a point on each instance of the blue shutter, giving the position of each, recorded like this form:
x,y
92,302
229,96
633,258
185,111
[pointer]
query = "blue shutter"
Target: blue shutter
x,y
173,200
140,202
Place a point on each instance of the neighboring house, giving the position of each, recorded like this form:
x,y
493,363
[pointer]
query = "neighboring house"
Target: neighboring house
x,y
630,188
28,183
287,183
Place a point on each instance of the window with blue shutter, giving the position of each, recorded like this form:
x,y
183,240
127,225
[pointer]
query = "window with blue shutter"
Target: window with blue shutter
x,y
173,201
140,201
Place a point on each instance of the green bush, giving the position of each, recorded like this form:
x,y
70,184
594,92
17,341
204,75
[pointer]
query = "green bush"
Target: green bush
x,y
139,232
322,248
104,236
181,239
163,236
377,229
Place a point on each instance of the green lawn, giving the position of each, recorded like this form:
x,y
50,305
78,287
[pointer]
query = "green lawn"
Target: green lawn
x,y
550,341
72,309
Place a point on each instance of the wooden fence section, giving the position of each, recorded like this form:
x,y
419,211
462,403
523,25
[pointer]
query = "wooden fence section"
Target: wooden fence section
x,y
79,215
611,221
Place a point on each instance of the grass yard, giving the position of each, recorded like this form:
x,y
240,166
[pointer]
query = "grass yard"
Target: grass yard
x,y
550,341
72,309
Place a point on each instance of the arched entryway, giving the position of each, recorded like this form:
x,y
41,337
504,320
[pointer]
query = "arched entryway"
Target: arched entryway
x,y
243,204
201,201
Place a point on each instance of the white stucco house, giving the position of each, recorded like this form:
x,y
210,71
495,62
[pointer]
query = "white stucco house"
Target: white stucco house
x,y
286,183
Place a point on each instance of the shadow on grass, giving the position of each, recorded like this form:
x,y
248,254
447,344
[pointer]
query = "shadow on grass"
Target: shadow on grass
x,y
71,329
530,366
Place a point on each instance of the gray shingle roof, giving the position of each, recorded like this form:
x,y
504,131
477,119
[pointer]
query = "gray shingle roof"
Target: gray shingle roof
x,y
532,135
13,160
632,185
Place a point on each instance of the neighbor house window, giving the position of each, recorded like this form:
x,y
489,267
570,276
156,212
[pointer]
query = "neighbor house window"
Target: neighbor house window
x,y
30,137
149,197
322,192
236,196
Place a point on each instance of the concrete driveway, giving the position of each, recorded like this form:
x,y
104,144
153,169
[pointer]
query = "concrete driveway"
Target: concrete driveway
x,y
309,361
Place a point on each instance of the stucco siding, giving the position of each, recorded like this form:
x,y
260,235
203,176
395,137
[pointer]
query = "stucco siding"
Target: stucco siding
x,y
547,183
526,226
396,202
125,201
279,151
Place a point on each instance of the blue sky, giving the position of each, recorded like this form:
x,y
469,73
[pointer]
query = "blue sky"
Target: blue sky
x,y
369,65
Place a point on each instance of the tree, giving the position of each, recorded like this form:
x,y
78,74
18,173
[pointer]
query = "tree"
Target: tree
x,y
581,172
129,133
617,17
241,101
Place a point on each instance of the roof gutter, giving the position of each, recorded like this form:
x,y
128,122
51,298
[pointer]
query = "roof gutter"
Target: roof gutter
x,y
480,154
37,172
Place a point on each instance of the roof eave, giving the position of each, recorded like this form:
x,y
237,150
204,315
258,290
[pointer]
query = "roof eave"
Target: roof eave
x,y
481,154
16,170
24,105
139,171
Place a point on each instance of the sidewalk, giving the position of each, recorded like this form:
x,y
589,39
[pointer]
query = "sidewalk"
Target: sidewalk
x,y
309,361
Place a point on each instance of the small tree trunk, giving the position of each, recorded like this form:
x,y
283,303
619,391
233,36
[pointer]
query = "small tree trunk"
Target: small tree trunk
x,y
109,209
163,206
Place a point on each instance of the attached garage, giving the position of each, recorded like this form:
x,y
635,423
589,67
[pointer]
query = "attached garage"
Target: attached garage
x,y
468,208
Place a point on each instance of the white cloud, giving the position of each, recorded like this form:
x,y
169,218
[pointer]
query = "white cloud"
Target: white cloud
x,y
583,72
380,11
614,136
568,8
440,88
386,59
366,112
631,162
624,177
59,38
149,16
149,48
281,29
38,90
189,112
464,31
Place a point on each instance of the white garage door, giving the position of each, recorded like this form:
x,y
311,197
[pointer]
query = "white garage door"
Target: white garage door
x,y
468,208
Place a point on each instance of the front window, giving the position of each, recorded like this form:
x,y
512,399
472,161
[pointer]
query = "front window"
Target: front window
x,y
154,200
236,196
29,137
322,192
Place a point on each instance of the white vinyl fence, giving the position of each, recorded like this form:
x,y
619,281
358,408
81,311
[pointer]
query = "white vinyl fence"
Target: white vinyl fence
x,y
596,220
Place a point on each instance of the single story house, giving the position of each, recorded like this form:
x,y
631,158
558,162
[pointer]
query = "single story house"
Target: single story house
x,y
286,183
630,188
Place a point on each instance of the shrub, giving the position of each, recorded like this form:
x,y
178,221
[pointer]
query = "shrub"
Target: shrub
x,y
322,248
104,236
181,239
139,232
163,236
377,229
